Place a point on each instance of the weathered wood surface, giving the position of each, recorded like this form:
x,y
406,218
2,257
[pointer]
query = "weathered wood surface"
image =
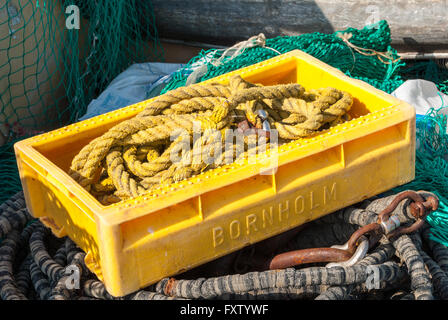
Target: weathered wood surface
x,y
225,21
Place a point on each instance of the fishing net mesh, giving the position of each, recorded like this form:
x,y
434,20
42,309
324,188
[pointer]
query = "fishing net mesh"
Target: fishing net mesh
x,y
329,48
61,70
50,70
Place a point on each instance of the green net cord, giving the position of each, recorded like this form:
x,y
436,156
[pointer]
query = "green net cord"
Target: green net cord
x,y
431,167
431,158
49,73
117,37
327,47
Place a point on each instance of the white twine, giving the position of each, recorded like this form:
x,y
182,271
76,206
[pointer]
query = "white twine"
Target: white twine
x,y
366,52
229,54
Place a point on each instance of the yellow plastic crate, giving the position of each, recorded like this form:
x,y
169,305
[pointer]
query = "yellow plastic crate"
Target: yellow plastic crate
x,y
137,242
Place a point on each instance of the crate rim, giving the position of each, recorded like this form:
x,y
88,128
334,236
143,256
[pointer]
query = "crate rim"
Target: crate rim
x,y
112,214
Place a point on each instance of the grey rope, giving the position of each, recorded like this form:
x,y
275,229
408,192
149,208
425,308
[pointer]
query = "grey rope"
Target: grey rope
x,y
34,264
438,276
314,276
420,279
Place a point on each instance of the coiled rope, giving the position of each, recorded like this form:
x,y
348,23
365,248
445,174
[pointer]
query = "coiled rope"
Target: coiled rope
x,y
35,265
135,155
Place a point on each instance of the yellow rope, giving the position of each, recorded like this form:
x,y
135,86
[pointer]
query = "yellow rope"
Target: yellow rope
x,y
135,155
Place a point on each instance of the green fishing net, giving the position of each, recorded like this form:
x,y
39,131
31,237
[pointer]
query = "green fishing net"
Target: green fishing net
x,y
50,71
329,48
49,74
431,167
432,153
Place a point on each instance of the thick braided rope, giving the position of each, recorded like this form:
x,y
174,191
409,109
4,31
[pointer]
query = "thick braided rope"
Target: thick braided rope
x,y
117,132
166,126
104,185
12,214
125,184
420,279
140,131
293,284
60,257
60,290
208,145
328,108
49,267
406,249
40,283
213,287
184,93
98,149
276,294
439,251
196,104
120,177
149,168
380,255
438,277
214,107
8,249
96,289
23,277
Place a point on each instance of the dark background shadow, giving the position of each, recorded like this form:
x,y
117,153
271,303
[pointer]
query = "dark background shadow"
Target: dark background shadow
x,y
225,22
415,25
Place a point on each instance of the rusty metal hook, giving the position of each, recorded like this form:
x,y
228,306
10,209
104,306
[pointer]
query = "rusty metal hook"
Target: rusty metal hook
x,y
358,245
419,209
373,228
385,214
314,255
359,254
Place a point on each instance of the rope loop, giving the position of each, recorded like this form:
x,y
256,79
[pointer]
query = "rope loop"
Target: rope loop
x,y
137,155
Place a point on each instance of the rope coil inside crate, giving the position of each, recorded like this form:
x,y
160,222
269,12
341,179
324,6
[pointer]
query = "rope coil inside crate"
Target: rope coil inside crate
x,y
135,155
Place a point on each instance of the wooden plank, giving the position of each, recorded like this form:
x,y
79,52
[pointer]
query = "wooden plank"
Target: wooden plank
x,y
413,22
